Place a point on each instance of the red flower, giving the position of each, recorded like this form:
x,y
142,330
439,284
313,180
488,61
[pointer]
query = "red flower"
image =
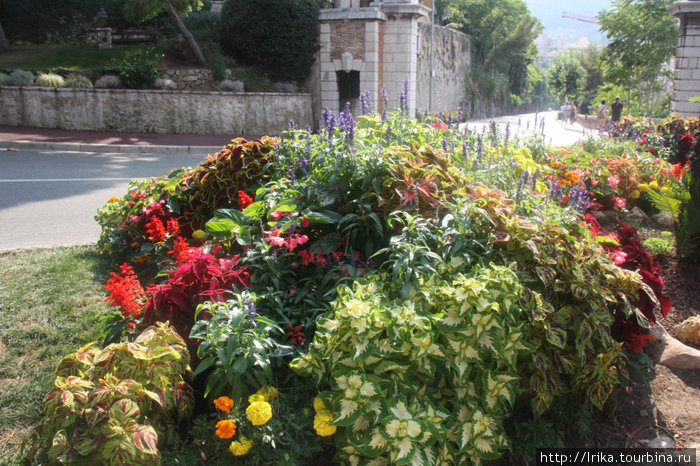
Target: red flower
x,y
304,222
439,125
155,230
637,342
173,227
125,291
685,143
296,334
244,200
183,251
678,169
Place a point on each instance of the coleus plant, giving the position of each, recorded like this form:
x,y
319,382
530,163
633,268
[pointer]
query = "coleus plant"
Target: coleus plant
x,y
421,381
113,406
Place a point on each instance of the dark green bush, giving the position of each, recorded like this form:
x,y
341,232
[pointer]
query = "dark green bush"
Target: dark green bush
x,y
39,20
140,69
217,65
279,36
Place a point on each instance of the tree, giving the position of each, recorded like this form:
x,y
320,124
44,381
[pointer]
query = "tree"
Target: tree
x,y
3,40
589,59
565,77
278,36
642,39
141,10
502,35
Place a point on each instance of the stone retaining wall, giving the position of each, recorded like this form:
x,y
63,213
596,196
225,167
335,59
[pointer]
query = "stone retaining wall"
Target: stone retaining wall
x,y
449,67
154,111
194,78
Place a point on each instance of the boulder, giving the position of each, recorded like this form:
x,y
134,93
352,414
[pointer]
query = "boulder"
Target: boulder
x,y
664,219
673,353
688,331
636,215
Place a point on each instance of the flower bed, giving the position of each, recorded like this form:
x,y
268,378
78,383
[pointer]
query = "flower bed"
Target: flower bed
x,y
385,290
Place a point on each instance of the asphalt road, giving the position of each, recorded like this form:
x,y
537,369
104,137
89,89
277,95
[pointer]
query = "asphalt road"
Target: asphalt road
x,y
50,198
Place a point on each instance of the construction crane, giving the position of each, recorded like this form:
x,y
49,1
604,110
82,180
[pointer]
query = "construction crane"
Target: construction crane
x,y
577,17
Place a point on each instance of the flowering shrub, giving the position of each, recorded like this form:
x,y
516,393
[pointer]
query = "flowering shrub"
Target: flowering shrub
x,y
430,277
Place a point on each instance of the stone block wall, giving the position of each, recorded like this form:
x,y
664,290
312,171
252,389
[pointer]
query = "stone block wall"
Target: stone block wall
x,y
193,78
449,65
153,111
686,76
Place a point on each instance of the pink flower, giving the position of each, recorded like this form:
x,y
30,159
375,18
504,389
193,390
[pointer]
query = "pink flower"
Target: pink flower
x,y
274,239
619,202
613,181
619,257
278,214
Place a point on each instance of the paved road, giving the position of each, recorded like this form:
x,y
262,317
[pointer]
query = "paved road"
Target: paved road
x,y
49,198
555,132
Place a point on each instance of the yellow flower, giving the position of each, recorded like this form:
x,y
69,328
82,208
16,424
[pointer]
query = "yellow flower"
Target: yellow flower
x,y
643,187
240,447
112,199
322,423
654,185
224,403
635,194
256,397
319,405
259,412
199,234
268,393
225,429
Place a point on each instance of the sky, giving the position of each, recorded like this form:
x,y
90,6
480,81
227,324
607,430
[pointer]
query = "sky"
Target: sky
x,y
549,12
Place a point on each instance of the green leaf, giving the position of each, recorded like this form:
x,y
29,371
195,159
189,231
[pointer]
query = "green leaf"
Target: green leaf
x,y
324,217
124,409
145,439
556,336
221,227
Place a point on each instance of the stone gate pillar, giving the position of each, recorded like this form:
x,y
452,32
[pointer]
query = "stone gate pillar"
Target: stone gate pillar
x,y
686,77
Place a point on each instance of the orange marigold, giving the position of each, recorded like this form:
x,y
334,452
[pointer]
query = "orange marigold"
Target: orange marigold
x,y
225,429
224,403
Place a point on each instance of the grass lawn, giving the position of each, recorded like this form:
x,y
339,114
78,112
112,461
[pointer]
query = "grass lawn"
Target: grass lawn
x,y
74,57
50,304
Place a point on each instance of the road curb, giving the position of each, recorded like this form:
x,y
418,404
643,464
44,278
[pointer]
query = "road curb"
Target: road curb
x,y
116,148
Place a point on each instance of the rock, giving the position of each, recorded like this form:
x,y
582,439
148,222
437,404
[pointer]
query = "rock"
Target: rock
x,y
636,215
688,331
660,442
673,353
604,216
664,219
